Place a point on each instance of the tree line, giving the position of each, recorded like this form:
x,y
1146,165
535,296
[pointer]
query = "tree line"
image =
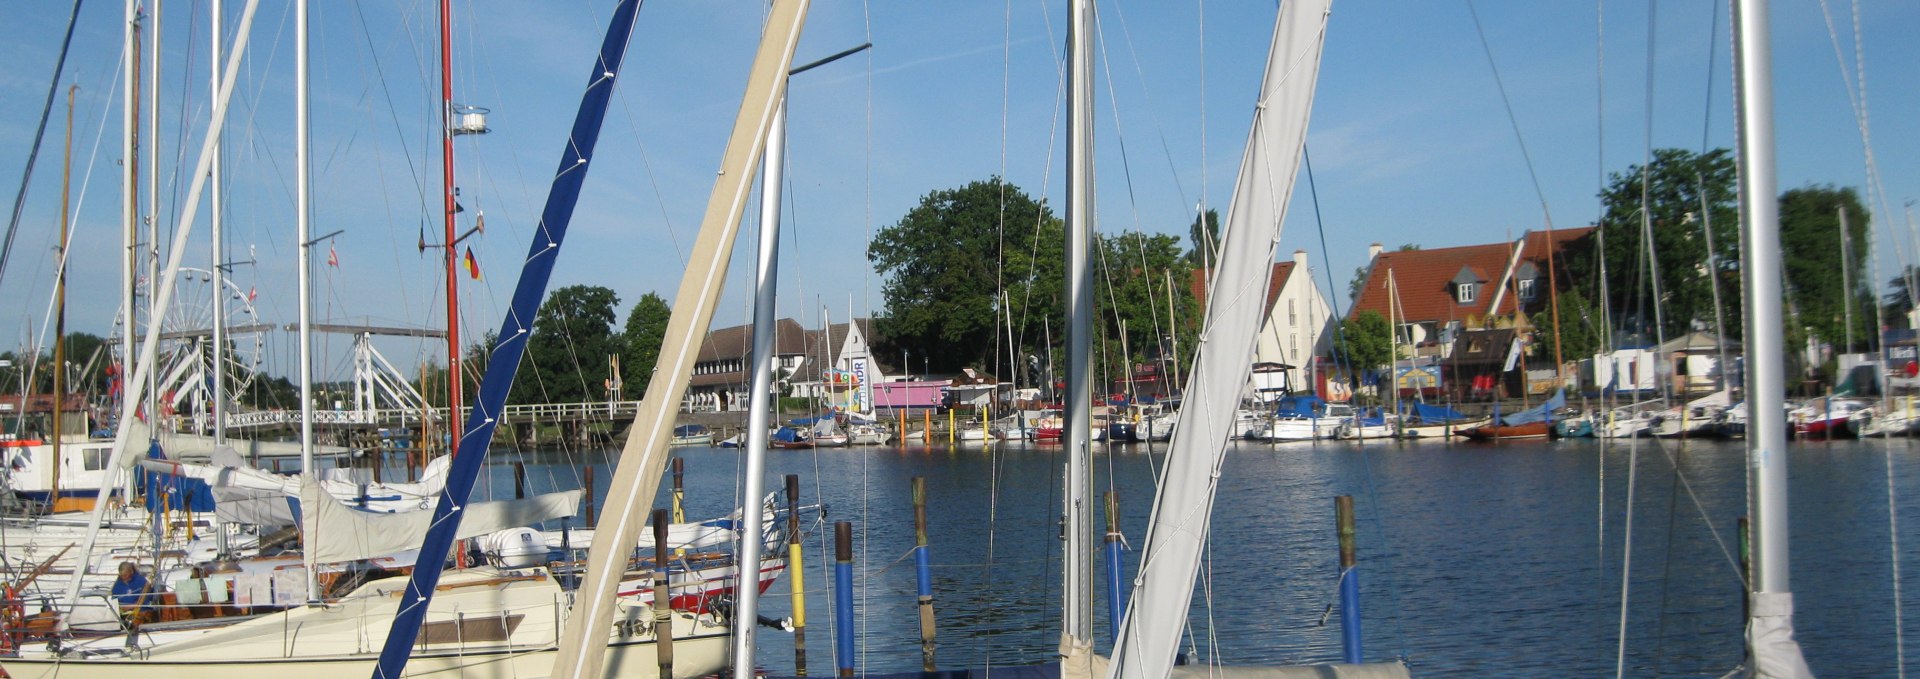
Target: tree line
x,y
975,276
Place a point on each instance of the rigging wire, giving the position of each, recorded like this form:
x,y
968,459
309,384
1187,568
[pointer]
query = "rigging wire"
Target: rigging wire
x,y
40,133
1857,100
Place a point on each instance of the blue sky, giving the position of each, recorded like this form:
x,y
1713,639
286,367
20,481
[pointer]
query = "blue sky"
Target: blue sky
x,y
1410,139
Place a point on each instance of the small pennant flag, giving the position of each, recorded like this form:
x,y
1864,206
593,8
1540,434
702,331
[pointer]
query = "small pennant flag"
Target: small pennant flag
x,y
252,294
333,258
473,265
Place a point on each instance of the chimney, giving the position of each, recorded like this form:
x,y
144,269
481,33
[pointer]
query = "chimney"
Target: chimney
x,y
1373,251
1300,259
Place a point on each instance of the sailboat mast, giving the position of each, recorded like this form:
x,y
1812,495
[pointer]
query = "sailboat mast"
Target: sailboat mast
x,y
129,201
304,181
1077,567
766,273
1770,627
153,212
1713,283
454,400
60,309
217,220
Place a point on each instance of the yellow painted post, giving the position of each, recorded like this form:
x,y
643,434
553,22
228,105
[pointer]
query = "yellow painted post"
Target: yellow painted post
x,y
903,426
798,572
950,426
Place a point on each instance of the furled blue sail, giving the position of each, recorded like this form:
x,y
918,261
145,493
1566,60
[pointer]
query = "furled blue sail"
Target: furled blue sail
x,y
512,342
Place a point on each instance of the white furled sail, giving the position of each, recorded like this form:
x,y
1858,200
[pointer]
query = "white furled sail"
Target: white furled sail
x,y
1157,614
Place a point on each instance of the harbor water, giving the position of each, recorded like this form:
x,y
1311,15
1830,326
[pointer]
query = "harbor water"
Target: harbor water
x,y
1475,560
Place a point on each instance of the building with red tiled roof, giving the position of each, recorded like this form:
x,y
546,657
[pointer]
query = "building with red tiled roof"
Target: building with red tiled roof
x,y
1458,286
1297,316
721,376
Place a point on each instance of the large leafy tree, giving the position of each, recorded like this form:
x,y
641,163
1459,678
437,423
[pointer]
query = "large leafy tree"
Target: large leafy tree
x,y
949,260
1137,276
646,328
1817,276
1899,298
566,359
1204,234
1364,342
1684,192
1580,328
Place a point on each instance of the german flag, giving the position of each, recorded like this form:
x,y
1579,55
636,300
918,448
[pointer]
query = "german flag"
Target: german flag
x,y
473,265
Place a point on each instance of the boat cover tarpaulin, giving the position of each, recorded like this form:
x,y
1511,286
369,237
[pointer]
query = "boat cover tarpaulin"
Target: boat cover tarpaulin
x,y
337,532
1537,413
1301,406
1432,414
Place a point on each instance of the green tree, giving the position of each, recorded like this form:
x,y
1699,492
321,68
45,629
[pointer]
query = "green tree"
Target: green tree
x,y
1581,331
1899,298
646,329
566,359
1364,342
1137,276
1810,237
947,262
1684,192
1205,242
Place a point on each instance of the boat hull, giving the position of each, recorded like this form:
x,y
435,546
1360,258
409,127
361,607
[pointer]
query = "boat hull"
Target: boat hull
x,y
695,656
1509,432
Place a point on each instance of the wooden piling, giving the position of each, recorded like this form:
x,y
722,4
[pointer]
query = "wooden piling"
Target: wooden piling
x,y
797,570
662,597
922,559
588,481
519,480
679,490
926,428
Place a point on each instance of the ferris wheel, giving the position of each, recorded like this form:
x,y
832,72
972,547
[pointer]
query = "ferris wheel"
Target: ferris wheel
x,y
184,358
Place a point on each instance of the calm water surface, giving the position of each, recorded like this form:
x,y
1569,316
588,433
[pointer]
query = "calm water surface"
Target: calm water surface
x,y
1475,560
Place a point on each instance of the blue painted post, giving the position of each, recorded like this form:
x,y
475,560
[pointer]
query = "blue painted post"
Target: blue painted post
x,y
1116,607
1349,582
923,570
843,597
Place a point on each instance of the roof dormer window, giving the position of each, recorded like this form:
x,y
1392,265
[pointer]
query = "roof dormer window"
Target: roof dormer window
x,y
1528,290
1465,292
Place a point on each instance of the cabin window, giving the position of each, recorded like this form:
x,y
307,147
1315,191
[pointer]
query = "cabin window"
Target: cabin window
x,y
95,459
1465,292
1527,290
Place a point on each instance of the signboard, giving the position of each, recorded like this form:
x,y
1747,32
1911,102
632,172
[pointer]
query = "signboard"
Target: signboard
x,y
1416,378
863,396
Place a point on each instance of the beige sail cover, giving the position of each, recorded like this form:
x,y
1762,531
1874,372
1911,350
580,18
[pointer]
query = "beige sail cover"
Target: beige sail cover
x,y
336,532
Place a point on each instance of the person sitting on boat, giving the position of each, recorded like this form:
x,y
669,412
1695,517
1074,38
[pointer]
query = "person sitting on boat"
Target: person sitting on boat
x,y
133,592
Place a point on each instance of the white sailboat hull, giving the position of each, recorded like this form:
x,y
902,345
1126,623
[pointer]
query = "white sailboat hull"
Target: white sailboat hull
x,y
485,624
699,655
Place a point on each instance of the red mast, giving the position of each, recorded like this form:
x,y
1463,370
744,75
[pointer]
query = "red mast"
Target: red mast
x,y
447,192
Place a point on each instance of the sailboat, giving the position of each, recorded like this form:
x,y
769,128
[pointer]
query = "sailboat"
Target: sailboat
x,y
489,622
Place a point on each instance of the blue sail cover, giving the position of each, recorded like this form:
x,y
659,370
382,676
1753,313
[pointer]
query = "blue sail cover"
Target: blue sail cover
x,y
1432,413
1301,406
512,342
1539,413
